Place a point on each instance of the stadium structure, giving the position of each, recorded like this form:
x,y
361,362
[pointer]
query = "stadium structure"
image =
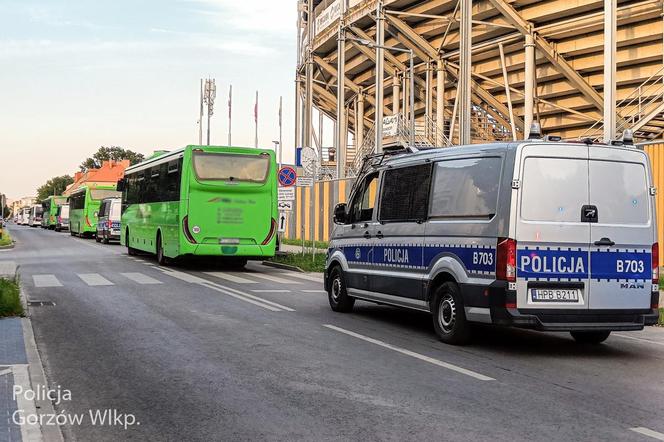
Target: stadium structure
x,y
447,72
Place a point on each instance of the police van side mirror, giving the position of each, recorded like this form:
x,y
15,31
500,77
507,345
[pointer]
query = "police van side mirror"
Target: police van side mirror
x,y
120,186
340,213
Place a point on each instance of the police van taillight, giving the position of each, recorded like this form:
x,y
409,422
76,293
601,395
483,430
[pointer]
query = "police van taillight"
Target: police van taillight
x,y
655,263
506,260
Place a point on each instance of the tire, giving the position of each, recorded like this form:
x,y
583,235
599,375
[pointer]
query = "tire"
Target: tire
x,y
590,337
237,263
105,239
337,294
130,250
97,238
162,260
449,316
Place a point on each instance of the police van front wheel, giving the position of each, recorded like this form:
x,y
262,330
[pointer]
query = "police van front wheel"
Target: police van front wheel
x,y
337,294
449,317
590,337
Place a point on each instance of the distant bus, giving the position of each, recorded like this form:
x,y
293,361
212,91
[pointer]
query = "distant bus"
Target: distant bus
x,y
202,200
24,218
84,208
35,216
50,206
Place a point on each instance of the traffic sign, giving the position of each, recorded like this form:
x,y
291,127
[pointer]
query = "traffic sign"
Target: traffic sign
x,y
305,181
286,194
285,206
281,228
287,176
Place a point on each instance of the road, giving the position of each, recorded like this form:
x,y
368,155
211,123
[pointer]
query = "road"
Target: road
x,y
201,353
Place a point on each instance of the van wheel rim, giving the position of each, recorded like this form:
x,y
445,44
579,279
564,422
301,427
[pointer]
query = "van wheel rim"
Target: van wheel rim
x,y
447,313
336,289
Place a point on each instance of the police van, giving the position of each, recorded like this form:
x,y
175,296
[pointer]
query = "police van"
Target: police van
x,y
537,234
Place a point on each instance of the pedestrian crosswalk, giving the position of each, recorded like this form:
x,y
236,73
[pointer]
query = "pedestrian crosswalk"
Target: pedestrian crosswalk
x,y
279,282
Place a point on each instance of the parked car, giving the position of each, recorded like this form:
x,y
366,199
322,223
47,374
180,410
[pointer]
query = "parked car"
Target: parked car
x,y
108,225
543,235
62,218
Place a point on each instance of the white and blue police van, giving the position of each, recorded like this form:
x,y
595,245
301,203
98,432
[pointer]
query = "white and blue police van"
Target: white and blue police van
x,y
553,236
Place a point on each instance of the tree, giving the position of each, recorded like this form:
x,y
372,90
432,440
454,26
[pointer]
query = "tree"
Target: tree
x,y
54,186
115,153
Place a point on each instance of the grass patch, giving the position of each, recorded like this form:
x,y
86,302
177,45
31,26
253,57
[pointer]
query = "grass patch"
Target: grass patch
x,y
10,298
6,238
307,243
305,262
661,317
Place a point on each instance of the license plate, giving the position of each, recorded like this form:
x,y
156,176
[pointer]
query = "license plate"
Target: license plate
x,y
555,295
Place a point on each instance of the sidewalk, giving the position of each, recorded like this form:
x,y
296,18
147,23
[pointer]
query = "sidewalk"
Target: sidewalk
x,y
21,367
298,249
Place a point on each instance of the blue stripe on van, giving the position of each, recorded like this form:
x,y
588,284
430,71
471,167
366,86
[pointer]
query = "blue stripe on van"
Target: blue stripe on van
x,y
573,264
476,259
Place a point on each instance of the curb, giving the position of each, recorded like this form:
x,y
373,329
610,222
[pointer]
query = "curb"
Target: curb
x,y
37,377
8,246
279,265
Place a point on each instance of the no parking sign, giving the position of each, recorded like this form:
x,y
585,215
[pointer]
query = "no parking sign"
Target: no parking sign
x,y
287,176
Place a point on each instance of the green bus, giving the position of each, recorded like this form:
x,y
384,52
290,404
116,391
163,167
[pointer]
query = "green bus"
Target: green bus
x,y
50,206
202,200
84,208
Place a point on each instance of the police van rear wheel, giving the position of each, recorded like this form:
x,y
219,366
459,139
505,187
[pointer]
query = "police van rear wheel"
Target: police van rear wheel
x,y
449,317
590,337
337,294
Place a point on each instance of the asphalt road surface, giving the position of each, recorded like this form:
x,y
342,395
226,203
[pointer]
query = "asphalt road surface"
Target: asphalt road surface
x,y
202,353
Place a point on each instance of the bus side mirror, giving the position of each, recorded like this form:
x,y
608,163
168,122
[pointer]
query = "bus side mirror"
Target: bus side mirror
x,y
340,213
120,186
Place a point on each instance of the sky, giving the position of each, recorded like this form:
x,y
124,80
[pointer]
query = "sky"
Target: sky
x,y
79,74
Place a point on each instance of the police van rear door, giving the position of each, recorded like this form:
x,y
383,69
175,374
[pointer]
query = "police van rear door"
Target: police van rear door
x,y
552,227
623,235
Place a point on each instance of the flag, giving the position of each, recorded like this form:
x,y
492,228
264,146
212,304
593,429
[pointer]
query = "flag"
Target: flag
x,y
256,109
230,100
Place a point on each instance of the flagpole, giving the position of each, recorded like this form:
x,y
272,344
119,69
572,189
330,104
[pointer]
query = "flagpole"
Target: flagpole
x,y
256,120
200,119
230,108
281,146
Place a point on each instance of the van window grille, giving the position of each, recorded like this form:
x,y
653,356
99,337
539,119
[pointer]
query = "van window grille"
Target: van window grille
x,y
405,193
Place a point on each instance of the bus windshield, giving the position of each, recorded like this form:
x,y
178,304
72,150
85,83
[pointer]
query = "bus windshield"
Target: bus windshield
x,y
231,167
100,194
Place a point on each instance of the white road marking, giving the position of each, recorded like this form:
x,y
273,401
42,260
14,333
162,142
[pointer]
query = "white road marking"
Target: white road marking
x,y
307,277
419,356
29,431
251,301
140,278
648,432
272,306
46,281
186,277
274,278
271,291
94,279
231,278
313,291
620,335
256,298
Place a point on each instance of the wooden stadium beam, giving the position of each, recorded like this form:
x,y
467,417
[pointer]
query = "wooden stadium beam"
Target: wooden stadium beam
x,y
549,52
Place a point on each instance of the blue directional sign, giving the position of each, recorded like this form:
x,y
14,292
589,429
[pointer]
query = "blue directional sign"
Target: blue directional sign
x,y
287,176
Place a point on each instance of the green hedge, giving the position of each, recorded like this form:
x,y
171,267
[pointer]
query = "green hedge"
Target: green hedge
x,y
10,298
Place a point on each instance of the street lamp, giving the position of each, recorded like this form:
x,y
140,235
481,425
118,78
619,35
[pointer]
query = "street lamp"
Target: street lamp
x,y
373,45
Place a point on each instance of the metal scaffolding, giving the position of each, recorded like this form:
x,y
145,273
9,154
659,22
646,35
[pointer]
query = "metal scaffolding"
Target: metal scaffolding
x,y
483,71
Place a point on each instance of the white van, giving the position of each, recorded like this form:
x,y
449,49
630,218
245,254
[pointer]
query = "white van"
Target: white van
x,y
544,235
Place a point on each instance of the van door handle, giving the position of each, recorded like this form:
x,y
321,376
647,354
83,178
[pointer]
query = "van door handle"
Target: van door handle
x,y
379,234
604,242
367,235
